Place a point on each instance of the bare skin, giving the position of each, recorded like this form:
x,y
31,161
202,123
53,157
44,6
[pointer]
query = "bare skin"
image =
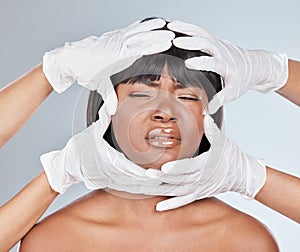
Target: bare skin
x,y
37,88
291,90
127,224
281,186
27,92
19,214
105,222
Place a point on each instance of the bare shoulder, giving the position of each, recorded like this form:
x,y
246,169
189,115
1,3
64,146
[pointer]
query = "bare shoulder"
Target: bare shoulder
x,y
235,230
246,233
50,233
60,229
40,238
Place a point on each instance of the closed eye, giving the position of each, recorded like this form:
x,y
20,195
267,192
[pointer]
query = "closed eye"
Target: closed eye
x,y
139,95
189,98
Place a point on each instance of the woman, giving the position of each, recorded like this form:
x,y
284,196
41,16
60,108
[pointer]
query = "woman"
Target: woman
x,y
38,194
159,119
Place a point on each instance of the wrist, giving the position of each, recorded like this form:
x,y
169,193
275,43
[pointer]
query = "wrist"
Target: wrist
x,y
44,180
255,178
53,172
56,72
43,81
273,68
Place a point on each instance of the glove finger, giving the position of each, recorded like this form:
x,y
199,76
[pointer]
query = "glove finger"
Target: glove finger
x,y
130,188
149,25
207,63
127,181
222,97
132,172
149,42
195,43
147,36
81,44
165,34
175,179
182,179
176,167
153,173
137,189
175,202
114,177
185,166
161,190
164,189
185,178
188,29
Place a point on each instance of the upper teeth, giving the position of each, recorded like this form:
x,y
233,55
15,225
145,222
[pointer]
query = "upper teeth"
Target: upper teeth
x,y
162,137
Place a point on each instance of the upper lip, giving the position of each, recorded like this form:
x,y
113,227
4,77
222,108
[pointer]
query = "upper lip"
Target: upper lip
x,y
163,132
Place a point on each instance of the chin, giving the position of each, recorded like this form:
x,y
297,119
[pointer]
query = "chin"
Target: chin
x,y
157,157
157,164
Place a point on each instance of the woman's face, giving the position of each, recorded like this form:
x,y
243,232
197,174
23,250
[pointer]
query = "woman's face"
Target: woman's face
x,y
158,121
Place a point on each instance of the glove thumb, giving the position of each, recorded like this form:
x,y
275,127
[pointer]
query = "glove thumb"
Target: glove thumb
x,y
211,130
215,103
175,202
227,94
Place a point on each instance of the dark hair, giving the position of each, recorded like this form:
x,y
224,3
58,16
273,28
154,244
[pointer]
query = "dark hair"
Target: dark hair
x,y
150,67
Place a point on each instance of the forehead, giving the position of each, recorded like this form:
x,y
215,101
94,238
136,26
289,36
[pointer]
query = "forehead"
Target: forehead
x,y
163,81
160,82
165,84
153,67
162,76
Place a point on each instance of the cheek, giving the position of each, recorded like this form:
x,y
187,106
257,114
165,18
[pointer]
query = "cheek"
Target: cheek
x,y
192,131
136,135
200,126
128,131
120,126
199,117
121,121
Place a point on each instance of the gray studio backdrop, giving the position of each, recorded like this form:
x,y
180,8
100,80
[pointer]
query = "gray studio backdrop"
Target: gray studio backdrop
x,y
265,126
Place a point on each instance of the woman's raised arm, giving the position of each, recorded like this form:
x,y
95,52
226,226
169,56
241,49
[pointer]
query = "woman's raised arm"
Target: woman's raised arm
x,y
19,214
291,90
281,192
20,99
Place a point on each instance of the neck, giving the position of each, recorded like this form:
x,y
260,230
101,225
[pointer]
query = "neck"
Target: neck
x,y
139,203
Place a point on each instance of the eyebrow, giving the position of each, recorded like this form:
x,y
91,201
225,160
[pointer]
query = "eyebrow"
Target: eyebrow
x,y
153,84
180,86
148,83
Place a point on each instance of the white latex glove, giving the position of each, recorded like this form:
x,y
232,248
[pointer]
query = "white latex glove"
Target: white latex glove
x,y
240,68
224,167
80,61
89,158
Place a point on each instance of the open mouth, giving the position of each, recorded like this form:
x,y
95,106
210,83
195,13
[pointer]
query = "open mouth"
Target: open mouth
x,y
163,137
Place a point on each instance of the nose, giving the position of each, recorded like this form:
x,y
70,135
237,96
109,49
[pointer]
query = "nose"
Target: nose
x,y
165,109
161,116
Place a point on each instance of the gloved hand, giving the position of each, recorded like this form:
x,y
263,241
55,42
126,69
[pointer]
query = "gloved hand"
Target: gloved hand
x,y
89,158
224,167
240,68
80,61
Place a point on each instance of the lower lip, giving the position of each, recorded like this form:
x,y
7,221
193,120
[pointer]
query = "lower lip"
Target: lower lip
x,y
163,142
